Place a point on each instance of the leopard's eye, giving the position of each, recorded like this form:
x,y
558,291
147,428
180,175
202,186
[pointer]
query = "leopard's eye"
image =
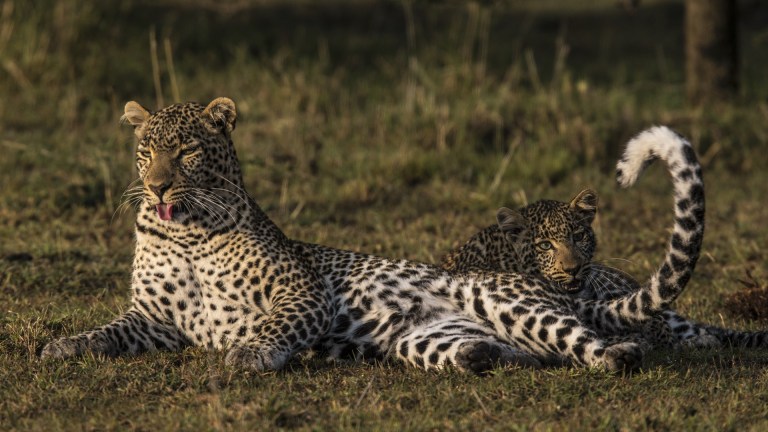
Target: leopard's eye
x,y
189,150
544,245
578,236
145,154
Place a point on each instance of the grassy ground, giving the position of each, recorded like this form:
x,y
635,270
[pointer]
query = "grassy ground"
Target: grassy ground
x,y
384,127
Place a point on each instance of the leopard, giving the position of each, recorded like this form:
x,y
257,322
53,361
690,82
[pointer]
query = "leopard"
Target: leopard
x,y
212,270
555,240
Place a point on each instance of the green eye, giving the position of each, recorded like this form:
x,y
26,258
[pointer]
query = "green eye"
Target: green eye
x,y
145,154
545,245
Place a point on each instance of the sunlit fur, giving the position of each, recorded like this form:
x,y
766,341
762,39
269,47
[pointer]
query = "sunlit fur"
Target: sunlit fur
x,y
211,269
494,249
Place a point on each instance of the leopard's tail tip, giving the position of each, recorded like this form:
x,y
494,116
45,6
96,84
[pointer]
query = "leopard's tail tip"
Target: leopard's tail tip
x,y
657,142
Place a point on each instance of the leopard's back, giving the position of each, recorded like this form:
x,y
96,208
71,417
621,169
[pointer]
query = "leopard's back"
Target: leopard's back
x,y
485,250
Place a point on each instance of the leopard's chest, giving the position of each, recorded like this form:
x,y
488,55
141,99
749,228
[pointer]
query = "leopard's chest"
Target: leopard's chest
x,y
213,295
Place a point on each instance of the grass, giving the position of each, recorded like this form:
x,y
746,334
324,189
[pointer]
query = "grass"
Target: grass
x,y
363,128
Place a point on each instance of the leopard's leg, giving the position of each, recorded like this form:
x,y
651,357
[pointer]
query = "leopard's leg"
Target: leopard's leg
x,y
131,333
687,334
552,331
458,341
298,317
734,338
690,334
642,340
653,334
549,327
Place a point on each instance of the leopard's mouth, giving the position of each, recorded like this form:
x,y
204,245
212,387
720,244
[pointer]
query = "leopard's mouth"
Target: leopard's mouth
x,y
572,286
164,211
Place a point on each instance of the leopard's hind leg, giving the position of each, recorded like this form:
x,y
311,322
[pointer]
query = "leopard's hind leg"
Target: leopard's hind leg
x,y
460,342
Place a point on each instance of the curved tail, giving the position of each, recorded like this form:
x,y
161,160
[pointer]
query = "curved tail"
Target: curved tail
x,y
668,281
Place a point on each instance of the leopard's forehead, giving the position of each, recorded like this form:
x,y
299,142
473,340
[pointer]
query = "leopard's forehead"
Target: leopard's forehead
x,y
550,219
175,125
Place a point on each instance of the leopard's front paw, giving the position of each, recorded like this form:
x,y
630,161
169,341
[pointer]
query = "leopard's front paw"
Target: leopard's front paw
x,y
67,347
623,357
251,358
480,357
62,348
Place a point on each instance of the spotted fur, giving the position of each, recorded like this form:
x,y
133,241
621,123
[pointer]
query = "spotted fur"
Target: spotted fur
x,y
570,232
212,270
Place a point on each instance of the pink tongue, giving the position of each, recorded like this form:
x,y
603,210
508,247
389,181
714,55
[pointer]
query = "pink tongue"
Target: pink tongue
x,y
165,211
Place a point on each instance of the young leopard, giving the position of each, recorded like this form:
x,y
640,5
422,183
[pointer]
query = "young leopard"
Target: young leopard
x,y
212,270
557,243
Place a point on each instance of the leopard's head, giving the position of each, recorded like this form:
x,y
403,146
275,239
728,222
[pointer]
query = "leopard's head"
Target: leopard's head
x,y
184,153
553,239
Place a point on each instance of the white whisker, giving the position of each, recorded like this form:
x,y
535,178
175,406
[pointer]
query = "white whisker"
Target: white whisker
x,y
215,205
201,205
131,197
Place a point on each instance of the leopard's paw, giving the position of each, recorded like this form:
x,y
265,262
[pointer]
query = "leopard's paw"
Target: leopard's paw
x,y
482,356
623,357
62,348
252,358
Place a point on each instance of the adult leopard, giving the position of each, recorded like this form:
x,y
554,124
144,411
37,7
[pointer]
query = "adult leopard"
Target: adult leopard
x,y
555,241
212,269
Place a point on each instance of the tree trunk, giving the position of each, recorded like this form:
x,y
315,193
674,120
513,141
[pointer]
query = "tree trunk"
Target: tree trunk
x,y
711,50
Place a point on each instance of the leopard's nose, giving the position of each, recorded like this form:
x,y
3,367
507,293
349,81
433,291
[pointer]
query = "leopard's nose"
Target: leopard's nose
x,y
160,189
572,270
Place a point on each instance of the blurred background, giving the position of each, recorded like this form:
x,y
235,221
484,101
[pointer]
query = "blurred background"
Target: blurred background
x,y
365,100
409,121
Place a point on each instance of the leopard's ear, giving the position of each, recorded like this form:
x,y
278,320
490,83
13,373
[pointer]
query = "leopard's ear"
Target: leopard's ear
x,y
137,116
220,115
511,222
585,203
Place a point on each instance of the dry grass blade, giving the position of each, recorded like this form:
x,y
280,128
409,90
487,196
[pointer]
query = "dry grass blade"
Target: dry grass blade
x,y
159,99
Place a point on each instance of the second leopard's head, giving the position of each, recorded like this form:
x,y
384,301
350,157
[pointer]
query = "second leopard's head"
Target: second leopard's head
x,y
553,238
183,151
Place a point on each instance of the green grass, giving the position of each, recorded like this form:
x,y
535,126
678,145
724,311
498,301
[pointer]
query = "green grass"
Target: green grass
x,y
353,135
